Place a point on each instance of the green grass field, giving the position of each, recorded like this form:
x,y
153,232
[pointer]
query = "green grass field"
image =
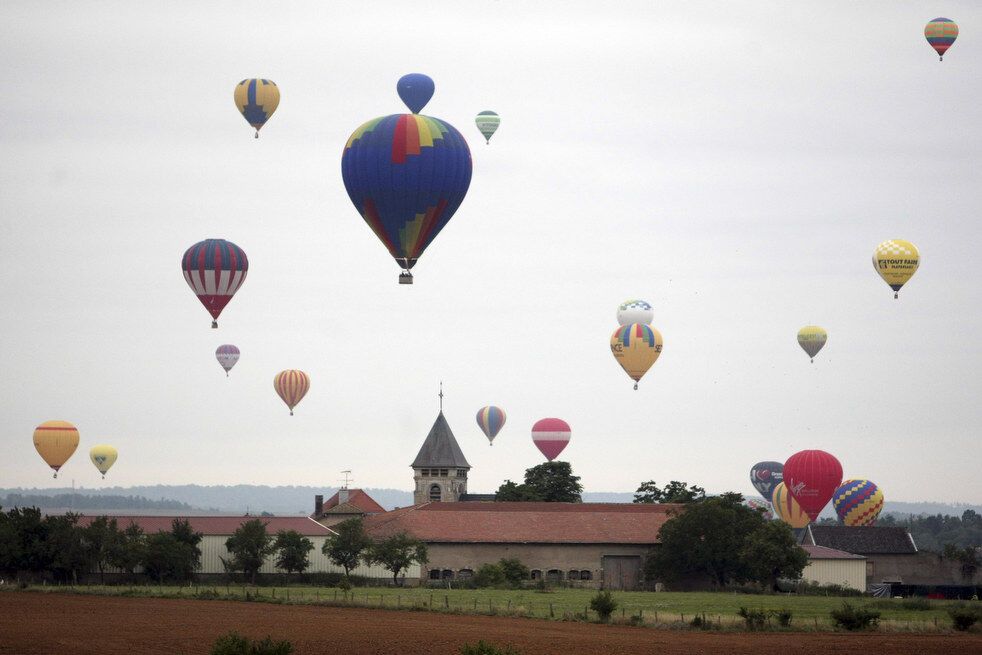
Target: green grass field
x,y
810,612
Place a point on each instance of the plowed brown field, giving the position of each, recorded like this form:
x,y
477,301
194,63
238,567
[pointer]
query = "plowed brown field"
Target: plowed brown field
x,y
32,623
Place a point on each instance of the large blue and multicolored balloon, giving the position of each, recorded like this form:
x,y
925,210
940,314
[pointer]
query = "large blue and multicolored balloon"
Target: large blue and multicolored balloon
x,y
491,419
858,502
407,174
765,476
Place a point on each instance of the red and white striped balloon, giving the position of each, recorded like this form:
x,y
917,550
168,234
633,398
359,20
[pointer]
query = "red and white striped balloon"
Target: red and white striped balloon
x,y
291,386
550,436
227,355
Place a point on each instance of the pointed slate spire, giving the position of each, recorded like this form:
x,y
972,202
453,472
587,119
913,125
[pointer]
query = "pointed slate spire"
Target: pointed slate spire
x,y
440,450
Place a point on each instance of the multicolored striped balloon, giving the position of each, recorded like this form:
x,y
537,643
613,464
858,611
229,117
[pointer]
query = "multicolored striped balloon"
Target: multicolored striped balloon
x,y
257,99
55,442
214,269
941,33
487,122
227,355
858,502
787,508
406,174
292,386
491,419
551,436
636,348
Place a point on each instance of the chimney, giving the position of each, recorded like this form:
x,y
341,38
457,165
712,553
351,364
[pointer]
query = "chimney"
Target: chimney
x,y
318,505
342,496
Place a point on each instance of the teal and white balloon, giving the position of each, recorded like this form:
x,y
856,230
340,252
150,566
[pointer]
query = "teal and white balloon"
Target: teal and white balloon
x,y
635,311
487,122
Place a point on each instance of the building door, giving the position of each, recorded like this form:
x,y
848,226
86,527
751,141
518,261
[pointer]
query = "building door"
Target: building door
x,y
621,571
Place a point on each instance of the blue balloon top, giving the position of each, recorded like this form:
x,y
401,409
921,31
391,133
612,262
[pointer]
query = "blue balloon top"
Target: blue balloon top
x,y
415,90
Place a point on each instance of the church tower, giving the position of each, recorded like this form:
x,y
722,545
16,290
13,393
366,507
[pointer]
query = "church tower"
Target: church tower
x,y
440,469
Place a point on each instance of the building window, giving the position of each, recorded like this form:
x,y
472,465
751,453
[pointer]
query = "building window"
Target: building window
x,y
434,574
573,575
424,471
435,493
869,568
536,574
464,574
554,575
447,574
461,473
444,472
586,575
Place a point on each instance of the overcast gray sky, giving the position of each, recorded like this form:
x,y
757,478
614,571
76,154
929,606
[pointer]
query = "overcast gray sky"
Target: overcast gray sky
x,y
735,164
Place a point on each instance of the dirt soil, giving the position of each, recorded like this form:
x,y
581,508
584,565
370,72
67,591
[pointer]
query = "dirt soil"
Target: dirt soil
x,y
32,623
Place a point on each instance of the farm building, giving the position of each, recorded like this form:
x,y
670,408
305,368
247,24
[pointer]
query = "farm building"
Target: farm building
x,y
343,505
829,566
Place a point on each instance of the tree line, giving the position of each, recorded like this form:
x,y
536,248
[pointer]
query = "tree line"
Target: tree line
x,y
85,501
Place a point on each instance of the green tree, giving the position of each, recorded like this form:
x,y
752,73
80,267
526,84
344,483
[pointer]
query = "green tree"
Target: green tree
x,y
397,553
349,546
674,492
132,549
968,559
552,482
23,541
292,551
69,555
515,572
173,555
103,540
249,547
725,541
489,575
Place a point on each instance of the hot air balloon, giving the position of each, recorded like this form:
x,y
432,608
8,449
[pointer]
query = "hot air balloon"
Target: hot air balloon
x,y
292,386
257,99
635,311
488,122
896,261
765,476
103,457
812,338
636,347
787,508
491,419
858,502
407,174
812,476
941,33
227,355
55,442
550,436
762,506
214,269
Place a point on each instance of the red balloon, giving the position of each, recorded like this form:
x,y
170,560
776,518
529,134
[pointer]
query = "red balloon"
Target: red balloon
x,y
812,476
551,435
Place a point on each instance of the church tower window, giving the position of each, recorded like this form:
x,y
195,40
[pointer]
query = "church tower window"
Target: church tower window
x,y
435,493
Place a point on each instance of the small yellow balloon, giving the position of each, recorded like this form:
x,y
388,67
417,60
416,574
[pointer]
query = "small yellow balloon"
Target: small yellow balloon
x,y
636,348
896,261
787,508
56,441
103,456
256,99
812,338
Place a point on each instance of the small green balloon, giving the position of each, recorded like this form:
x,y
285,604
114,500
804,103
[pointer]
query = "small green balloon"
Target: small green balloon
x,y
487,122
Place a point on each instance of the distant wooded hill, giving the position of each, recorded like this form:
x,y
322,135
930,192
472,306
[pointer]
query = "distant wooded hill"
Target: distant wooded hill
x,y
300,499
78,501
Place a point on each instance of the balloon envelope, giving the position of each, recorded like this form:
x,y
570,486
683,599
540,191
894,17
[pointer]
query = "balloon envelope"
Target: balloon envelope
x,y
256,100
858,502
56,441
941,34
491,419
415,89
406,174
551,436
103,456
765,476
762,506
214,269
812,338
812,476
227,355
487,122
635,311
896,261
636,348
292,386
787,508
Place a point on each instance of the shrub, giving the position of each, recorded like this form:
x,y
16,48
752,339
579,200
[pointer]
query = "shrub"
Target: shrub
x,y
855,618
489,575
916,603
604,605
344,584
754,618
484,648
515,572
235,644
814,589
783,617
963,618
700,623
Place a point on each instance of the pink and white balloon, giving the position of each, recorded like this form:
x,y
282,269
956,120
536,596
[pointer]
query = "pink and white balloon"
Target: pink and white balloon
x,y
550,436
227,355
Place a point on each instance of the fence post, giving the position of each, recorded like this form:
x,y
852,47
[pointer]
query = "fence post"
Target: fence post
x,y
490,607
288,593
475,604
431,601
552,612
446,601
274,592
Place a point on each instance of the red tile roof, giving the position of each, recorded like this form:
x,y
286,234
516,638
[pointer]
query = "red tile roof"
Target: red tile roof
x,y
220,525
359,499
555,523
821,552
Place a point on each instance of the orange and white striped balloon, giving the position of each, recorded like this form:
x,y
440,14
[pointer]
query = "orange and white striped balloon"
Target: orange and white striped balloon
x,y
291,386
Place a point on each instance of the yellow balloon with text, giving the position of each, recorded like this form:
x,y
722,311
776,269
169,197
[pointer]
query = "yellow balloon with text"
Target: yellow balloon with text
x,y
636,348
896,261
